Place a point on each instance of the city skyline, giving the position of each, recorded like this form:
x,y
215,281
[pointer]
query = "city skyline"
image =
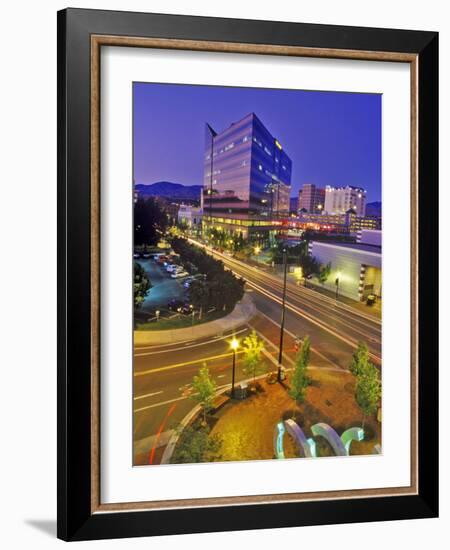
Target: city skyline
x,y
333,138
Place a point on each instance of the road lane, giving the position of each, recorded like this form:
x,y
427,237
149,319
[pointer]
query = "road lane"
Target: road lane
x,y
335,319
162,372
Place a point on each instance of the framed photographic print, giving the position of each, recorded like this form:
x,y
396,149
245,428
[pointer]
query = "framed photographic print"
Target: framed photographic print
x,y
247,274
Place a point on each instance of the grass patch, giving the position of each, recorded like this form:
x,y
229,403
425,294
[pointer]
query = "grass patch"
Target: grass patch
x,y
181,321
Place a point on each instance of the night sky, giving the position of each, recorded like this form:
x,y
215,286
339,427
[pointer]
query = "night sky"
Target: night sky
x,y
332,138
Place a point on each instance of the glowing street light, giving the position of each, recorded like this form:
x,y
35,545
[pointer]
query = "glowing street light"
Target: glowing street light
x,y
234,344
257,250
298,272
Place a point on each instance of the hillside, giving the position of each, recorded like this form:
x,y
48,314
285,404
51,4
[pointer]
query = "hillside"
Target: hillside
x,y
169,190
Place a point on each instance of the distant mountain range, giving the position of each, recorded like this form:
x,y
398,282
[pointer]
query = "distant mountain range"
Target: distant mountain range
x,y
169,190
180,192
373,209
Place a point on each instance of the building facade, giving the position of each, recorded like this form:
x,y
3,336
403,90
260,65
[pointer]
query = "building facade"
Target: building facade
x,y
247,177
311,199
341,223
281,199
356,266
338,200
189,215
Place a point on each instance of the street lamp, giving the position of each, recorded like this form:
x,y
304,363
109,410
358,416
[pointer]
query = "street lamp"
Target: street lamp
x,y
283,309
336,282
234,344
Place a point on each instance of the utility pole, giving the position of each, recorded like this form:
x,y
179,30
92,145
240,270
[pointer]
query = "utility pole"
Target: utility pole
x,y
283,310
234,346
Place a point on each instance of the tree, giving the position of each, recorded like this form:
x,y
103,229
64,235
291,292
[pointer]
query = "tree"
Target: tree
x,y
149,222
368,383
199,295
360,359
204,389
310,266
300,379
368,390
196,445
324,272
141,285
253,348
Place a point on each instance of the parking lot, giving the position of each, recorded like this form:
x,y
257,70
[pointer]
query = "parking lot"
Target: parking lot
x,y
164,288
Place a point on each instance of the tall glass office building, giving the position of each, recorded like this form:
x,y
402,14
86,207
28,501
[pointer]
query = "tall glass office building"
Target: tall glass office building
x,y
247,177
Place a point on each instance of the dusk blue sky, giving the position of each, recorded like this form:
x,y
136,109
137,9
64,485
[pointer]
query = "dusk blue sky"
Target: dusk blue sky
x,y
332,138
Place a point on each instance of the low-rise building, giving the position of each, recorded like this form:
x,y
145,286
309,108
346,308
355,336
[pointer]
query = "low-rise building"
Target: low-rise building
x,y
355,267
342,223
191,216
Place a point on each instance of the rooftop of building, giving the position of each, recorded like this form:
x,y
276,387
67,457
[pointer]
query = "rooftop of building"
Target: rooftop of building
x,y
332,188
234,123
362,247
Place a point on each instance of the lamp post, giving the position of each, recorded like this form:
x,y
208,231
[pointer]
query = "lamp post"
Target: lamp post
x,y
283,309
336,282
234,344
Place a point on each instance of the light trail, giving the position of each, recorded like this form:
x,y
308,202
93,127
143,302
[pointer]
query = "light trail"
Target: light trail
x,y
182,348
248,273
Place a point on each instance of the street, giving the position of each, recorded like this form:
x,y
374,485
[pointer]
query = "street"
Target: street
x,y
162,373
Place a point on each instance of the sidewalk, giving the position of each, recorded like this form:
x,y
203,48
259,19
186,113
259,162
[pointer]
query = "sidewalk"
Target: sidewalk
x,y
277,271
241,314
374,310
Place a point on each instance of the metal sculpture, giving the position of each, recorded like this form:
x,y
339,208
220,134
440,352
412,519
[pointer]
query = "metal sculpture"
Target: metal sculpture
x,y
306,447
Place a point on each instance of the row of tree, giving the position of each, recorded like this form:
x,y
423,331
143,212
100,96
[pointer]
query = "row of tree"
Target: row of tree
x,y
299,255
225,239
221,290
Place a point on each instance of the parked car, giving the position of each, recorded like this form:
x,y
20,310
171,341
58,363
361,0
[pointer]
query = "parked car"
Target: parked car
x,y
173,268
175,305
180,306
178,274
199,277
146,255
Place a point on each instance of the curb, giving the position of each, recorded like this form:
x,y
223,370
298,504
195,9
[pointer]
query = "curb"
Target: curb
x,y
170,447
